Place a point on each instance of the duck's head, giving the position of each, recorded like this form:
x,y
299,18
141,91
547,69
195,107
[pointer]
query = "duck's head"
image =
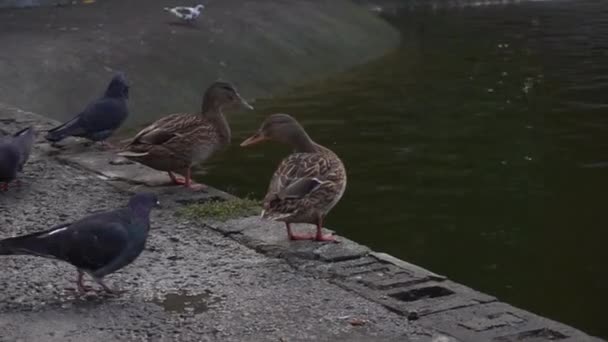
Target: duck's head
x,y
199,7
222,95
278,127
118,86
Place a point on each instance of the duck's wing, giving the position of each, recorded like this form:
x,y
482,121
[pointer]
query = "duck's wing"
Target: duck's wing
x,y
164,129
298,175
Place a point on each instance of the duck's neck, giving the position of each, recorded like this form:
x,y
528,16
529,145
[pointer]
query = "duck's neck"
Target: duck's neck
x,y
214,114
301,142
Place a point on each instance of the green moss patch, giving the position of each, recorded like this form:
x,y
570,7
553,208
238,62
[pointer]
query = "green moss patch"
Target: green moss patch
x,y
222,210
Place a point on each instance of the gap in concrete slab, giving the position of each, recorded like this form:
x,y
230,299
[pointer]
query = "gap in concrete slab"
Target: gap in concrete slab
x,y
422,293
533,336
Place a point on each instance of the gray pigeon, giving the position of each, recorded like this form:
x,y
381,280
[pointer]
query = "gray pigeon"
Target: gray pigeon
x,y
97,245
100,118
14,153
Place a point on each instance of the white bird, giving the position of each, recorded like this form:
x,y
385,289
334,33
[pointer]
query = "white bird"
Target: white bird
x,y
186,13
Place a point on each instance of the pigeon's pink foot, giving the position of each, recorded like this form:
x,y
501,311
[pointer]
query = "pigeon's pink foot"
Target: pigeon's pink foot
x,y
82,288
109,290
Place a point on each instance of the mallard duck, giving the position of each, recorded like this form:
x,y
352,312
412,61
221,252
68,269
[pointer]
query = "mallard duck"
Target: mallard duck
x,y
177,142
307,184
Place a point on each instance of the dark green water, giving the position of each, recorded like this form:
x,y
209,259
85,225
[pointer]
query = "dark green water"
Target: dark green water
x,y
467,150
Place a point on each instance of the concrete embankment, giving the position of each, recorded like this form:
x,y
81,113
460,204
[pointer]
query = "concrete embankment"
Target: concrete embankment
x,y
239,280
51,58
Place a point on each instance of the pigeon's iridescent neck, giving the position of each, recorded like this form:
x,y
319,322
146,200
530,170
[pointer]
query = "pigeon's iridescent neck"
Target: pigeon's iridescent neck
x,y
141,211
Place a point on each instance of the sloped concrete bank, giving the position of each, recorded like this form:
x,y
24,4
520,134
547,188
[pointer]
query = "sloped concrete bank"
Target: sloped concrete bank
x,y
238,280
53,57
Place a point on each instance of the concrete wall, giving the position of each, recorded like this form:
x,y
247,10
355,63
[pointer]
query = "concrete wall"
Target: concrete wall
x,y
52,59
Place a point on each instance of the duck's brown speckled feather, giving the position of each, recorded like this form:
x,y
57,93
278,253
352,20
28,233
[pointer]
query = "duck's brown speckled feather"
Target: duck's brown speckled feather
x,y
326,171
176,142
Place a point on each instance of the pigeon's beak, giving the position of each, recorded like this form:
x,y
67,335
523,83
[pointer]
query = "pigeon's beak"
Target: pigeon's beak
x,y
254,139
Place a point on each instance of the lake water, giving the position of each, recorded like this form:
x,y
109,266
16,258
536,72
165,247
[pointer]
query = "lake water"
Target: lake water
x,y
478,149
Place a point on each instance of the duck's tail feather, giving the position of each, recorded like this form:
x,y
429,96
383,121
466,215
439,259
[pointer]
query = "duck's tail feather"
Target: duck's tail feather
x,y
274,216
128,154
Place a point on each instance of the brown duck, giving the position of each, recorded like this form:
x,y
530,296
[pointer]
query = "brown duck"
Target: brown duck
x,y
177,142
307,184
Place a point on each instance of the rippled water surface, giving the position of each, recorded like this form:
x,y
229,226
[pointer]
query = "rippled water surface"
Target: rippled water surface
x,y
478,149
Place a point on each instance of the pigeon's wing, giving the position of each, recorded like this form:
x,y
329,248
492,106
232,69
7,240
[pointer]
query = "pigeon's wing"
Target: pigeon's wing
x,y
103,114
9,161
72,127
23,141
95,244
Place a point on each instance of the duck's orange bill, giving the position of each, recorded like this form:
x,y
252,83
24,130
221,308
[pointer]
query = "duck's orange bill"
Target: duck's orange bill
x,y
254,139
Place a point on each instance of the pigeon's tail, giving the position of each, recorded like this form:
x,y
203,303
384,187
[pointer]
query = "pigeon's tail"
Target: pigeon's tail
x,y
14,246
32,244
65,130
7,248
25,131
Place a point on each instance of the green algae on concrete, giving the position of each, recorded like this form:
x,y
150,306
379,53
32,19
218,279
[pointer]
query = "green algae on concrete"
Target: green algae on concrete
x,y
222,210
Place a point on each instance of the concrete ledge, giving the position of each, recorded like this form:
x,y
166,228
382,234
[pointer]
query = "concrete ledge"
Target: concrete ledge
x,y
420,296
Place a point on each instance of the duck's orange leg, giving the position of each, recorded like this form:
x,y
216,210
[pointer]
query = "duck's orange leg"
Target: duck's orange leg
x,y
320,236
188,183
175,180
296,236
